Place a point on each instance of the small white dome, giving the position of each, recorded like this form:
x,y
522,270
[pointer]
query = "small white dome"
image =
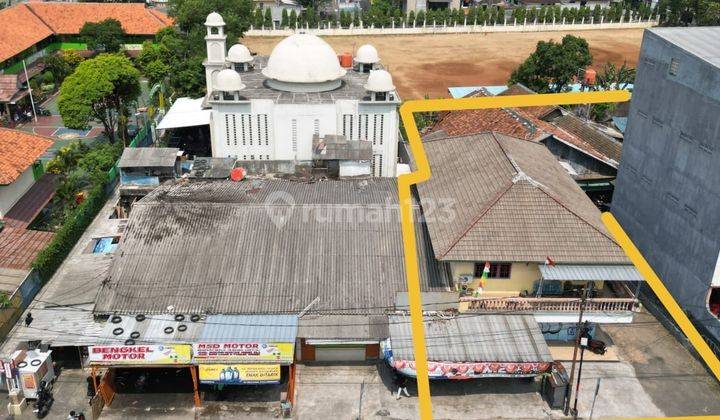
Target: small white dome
x,y
379,81
239,53
303,58
228,80
214,19
367,54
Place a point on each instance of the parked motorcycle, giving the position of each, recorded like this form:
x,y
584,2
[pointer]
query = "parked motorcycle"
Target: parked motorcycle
x,y
75,416
597,346
43,402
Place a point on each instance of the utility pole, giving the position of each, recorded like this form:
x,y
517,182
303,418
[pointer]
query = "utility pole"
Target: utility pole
x,y
568,390
583,344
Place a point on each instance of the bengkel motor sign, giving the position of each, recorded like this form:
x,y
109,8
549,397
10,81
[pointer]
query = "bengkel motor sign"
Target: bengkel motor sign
x,y
246,352
140,355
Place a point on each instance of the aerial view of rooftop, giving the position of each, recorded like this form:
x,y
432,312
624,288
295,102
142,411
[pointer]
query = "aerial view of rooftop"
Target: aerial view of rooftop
x,y
359,209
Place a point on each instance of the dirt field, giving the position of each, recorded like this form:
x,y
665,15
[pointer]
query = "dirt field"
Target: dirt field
x,y
429,64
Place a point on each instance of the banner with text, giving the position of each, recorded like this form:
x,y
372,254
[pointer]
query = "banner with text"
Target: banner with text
x,y
244,352
239,374
178,354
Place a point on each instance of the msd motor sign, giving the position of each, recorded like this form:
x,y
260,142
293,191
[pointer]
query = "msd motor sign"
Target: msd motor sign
x,y
252,352
140,355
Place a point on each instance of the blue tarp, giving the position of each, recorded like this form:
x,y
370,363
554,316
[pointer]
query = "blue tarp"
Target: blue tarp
x,y
620,123
140,180
105,246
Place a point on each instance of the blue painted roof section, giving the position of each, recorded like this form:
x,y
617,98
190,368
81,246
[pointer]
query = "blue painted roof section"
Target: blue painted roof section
x,y
236,328
620,123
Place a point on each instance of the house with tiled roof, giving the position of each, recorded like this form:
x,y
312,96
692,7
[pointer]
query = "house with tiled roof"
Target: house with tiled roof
x,y
505,206
31,30
19,151
590,156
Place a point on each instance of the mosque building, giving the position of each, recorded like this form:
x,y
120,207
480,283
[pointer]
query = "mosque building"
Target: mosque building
x,y
302,105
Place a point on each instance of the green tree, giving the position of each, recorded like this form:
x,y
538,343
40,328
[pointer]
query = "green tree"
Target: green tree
x,y
411,18
99,89
553,65
107,35
284,18
156,71
611,77
356,18
190,17
292,20
258,18
267,19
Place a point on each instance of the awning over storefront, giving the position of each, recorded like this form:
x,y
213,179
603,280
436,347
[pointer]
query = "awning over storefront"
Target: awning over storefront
x,y
185,112
471,346
590,272
255,339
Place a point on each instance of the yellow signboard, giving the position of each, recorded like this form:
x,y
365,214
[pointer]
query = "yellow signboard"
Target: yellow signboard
x,y
239,374
252,352
178,354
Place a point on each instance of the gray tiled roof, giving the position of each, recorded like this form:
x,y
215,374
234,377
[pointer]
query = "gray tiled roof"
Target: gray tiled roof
x,y
511,201
265,246
347,327
473,338
134,157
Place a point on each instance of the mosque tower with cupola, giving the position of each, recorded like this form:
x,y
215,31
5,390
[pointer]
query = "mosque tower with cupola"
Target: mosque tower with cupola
x,y
302,105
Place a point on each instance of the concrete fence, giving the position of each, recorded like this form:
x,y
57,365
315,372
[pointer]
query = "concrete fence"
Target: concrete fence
x,y
430,28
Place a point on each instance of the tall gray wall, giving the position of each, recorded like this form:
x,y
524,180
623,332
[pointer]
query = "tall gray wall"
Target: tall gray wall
x,y
667,195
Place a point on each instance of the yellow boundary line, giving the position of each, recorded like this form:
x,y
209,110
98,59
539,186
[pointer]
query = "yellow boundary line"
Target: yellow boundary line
x,y
423,174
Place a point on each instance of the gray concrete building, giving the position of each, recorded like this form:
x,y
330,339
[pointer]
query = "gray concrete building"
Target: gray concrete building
x,y
667,194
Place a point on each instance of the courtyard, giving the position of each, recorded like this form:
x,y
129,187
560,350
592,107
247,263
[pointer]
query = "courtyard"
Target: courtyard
x,y
429,64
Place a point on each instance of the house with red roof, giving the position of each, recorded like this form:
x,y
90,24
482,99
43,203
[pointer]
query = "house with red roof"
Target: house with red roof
x,y
19,151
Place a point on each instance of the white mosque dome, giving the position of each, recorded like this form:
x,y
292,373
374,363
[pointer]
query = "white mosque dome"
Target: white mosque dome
x,y
214,19
228,80
367,54
379,81
303,59
239,53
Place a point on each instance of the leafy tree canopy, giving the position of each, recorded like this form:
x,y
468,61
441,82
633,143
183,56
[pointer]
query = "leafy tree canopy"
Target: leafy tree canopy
x,y
190,17
107,35
99,89
553,65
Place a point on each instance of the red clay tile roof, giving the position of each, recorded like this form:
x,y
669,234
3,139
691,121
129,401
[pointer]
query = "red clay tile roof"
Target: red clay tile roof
x,y
26,24
18,150
20,29
525,124
8,86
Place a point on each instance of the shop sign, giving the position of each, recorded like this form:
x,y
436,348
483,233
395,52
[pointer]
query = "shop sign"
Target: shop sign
x,y
253,352
239,374
448,370
178,354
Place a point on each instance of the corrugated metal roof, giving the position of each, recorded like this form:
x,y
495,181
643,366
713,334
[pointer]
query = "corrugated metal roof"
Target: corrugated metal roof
x,y
703,42
150,157
343,327
473,338
590,272
265,247
510,200
151,330
239,328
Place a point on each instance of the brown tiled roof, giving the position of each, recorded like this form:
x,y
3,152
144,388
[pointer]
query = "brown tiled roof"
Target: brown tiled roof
x,y
592,139
507,121
8,86
18,150
68,18
511,201
26,24
20,29
520,89
526,124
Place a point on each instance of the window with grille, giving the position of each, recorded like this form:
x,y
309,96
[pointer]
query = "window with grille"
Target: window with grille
x,y
316,127
377,165
227,129
364,122
294,135
234,129
375,128
497,270
382,129
259,127
267,140
242,129
674,66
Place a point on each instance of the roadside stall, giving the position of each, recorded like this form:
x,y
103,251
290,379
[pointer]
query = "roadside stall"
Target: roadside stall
x,y
471,346
141,352
246,350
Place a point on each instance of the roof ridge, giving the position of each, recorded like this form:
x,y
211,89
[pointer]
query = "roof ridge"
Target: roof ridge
x,y
152,13
552,196
39,18
483,212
